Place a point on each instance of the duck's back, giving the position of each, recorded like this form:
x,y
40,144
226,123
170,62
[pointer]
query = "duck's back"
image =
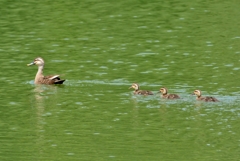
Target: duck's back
x,y
209,99
143,92
51,79
173,96
170,96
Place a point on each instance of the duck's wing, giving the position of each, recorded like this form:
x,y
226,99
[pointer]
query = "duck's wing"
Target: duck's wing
x,y
173,96
144,92
52,79
211,99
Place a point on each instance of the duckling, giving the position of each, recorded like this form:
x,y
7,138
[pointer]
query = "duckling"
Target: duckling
x,y
40,78
141,92
164,92
206,99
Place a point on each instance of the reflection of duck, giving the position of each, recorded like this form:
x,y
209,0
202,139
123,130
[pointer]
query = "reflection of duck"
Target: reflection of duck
x,y
40,78
206,99
141,92
164,91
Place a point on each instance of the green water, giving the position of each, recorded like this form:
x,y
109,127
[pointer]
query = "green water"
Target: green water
x,y
101,48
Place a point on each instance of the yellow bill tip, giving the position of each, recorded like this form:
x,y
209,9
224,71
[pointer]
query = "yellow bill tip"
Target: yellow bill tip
x,y
31,64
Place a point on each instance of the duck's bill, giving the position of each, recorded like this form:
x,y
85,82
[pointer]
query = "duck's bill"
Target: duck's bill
x,y
31,64
130,87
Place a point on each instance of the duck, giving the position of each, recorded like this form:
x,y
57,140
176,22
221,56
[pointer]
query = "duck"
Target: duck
x,y
140,92
198,93
40,78
165,94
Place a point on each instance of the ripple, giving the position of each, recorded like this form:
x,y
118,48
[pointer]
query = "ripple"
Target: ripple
x,y
146,53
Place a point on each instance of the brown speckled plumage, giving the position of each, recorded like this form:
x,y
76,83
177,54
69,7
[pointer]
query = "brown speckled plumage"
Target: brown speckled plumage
x,y
40,78
140,92
206,99
165,94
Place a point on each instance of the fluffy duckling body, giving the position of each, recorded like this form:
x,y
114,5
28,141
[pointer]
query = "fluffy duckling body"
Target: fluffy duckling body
x,y
40,78
140,92
198,93
165,94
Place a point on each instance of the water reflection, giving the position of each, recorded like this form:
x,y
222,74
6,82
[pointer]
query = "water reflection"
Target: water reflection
x,y
39,105
41,95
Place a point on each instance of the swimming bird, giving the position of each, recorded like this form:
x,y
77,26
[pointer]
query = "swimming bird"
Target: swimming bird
x,y
40,78
165,94
206,99
141,92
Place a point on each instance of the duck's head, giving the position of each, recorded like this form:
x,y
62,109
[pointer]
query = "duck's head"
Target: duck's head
x,y
38,61
197,93
163,90
135,86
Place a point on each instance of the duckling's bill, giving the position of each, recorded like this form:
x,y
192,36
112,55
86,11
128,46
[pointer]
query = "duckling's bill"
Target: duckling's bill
x,y
130,87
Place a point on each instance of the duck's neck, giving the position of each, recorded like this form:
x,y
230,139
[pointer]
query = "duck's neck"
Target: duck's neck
x,y
164,95
137,89
39,74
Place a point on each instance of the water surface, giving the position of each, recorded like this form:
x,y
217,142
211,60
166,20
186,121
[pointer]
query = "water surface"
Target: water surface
x,y
101,48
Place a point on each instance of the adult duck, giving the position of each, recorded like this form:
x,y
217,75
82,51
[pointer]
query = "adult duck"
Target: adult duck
x,y
40,78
